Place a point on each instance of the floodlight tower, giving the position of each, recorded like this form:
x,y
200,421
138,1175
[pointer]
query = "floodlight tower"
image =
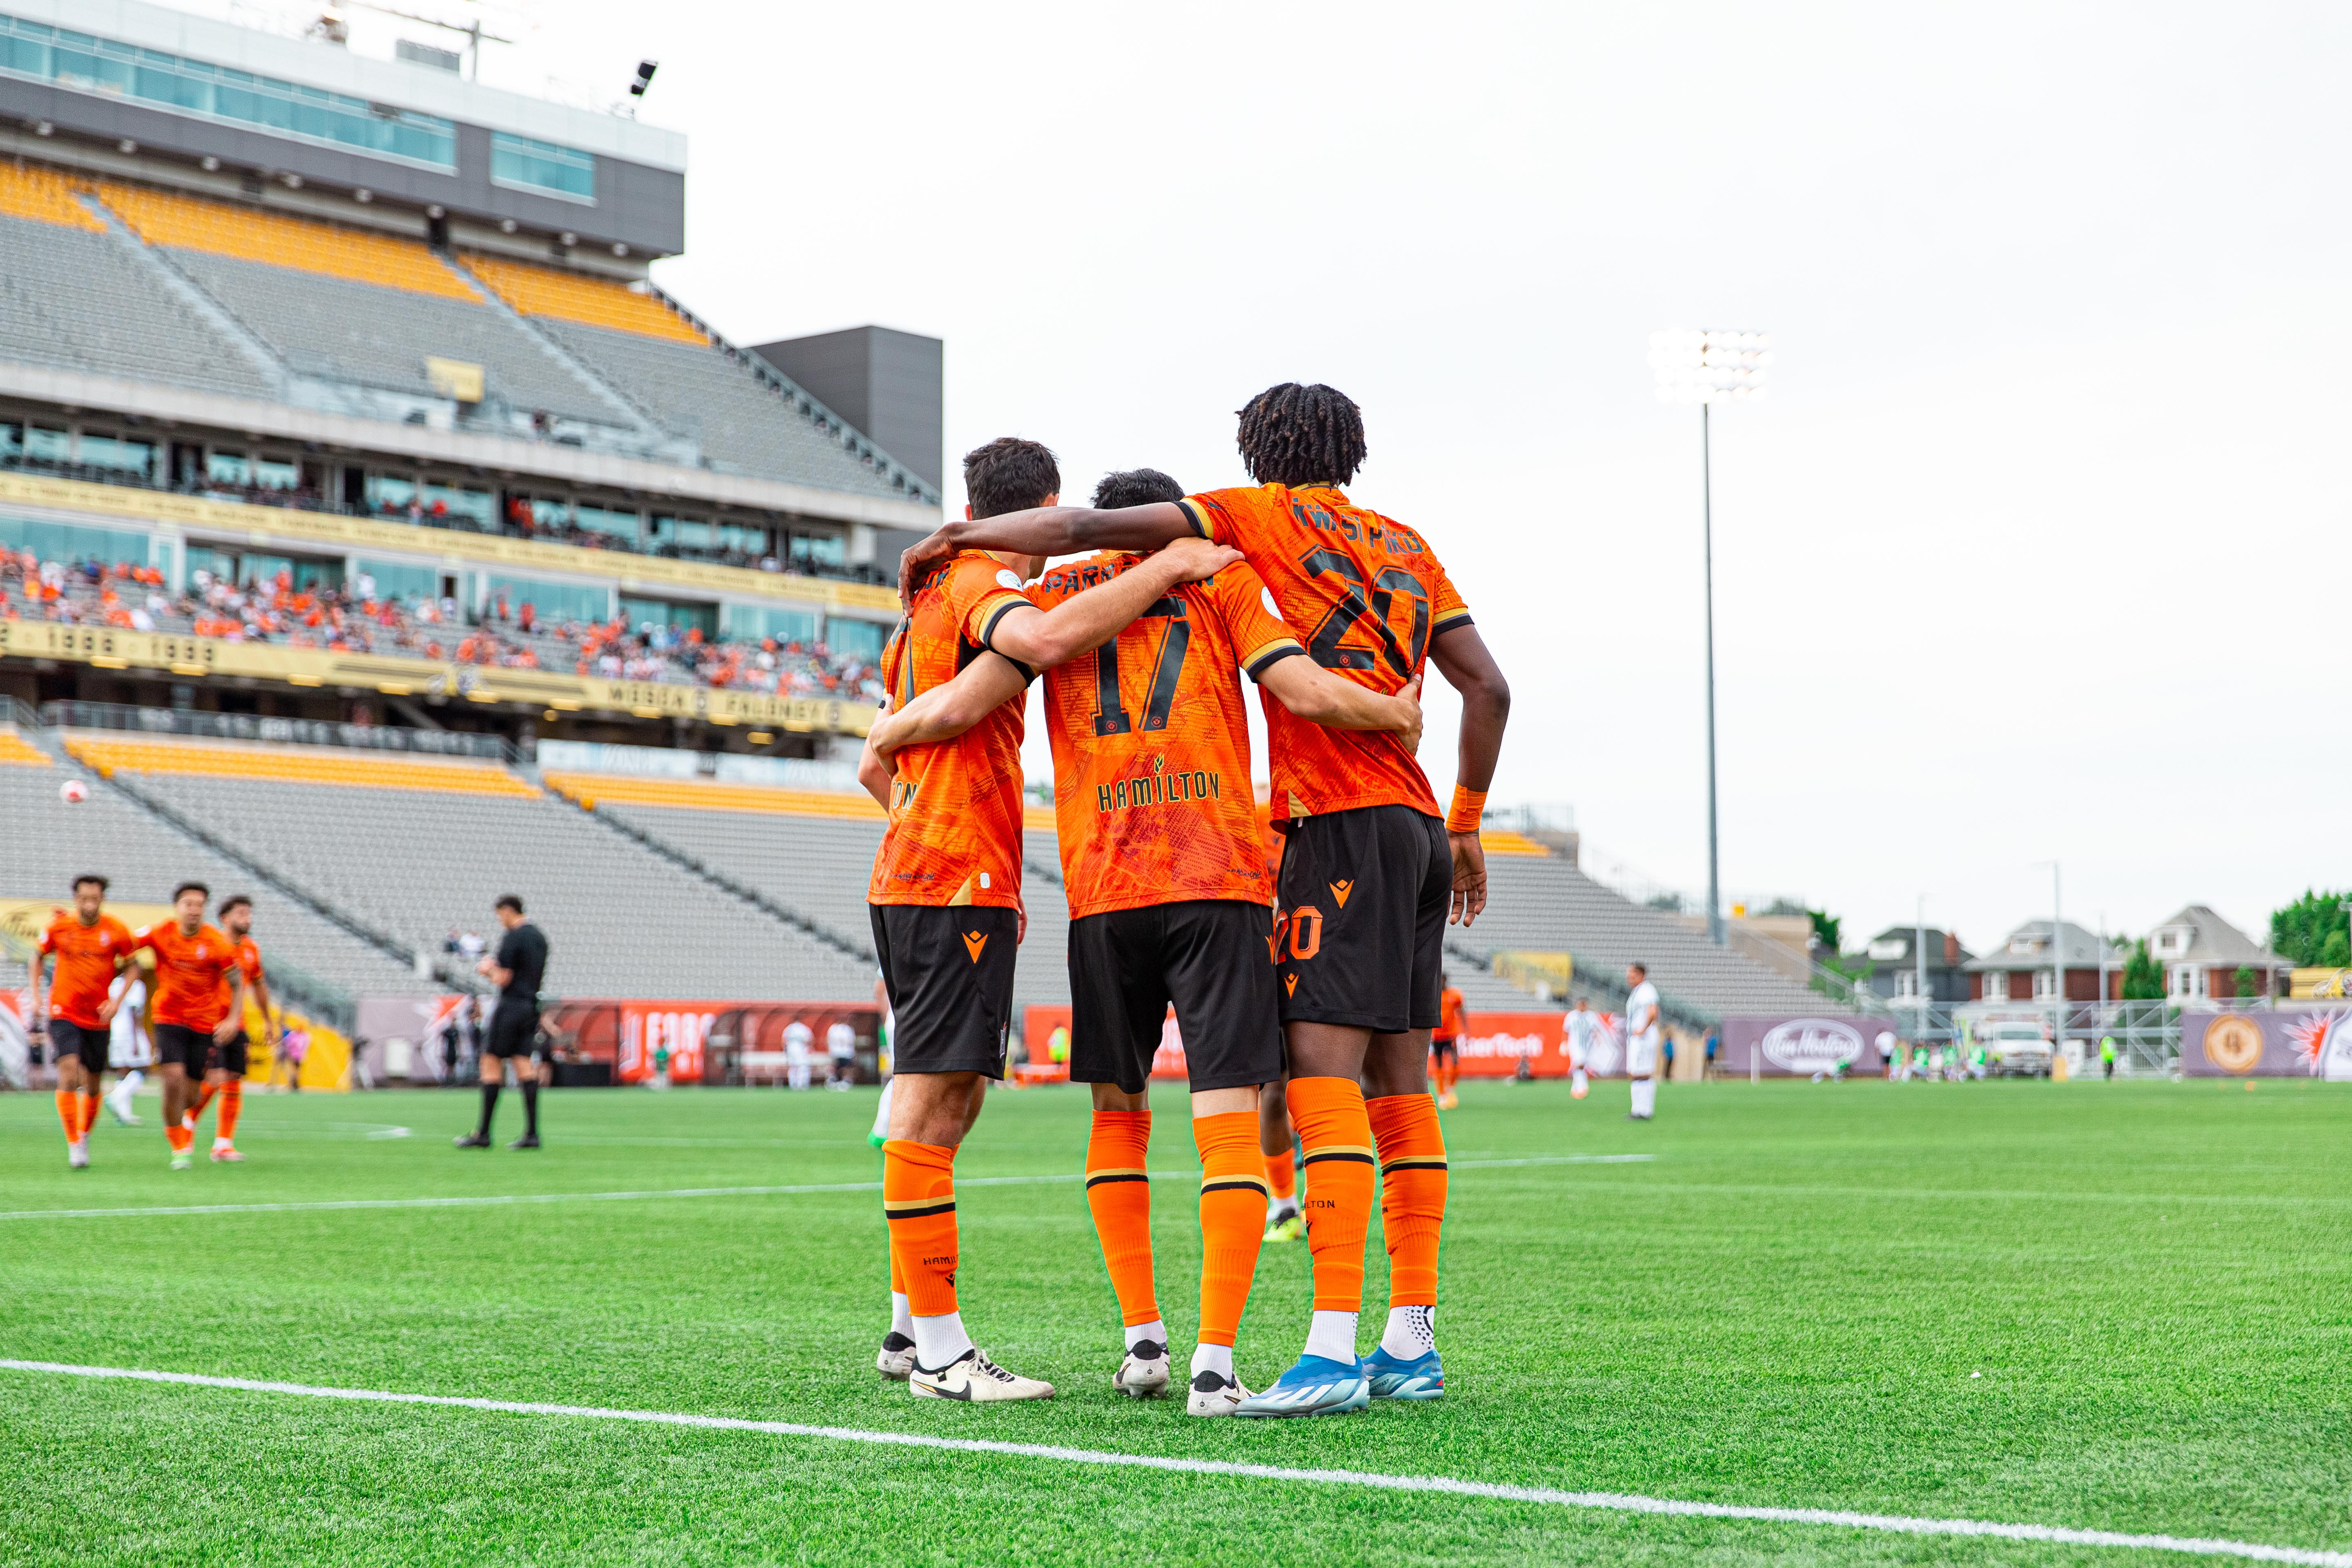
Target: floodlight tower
x,y
1706,366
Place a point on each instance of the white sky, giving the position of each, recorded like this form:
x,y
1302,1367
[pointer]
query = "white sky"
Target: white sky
x,y
2036,549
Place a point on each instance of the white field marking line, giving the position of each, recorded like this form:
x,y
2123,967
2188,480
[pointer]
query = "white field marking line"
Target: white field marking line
x,y
493,1200
1614,1502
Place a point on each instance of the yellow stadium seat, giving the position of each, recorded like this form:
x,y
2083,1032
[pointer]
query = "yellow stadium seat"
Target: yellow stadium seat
x,y
589,790
275,239
1498,841
291,764
44,195
535,291
17,752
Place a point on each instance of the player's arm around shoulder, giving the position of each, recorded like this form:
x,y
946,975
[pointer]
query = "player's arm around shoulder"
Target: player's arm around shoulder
x,y
1047,530
1461,655
1083,622
1313,693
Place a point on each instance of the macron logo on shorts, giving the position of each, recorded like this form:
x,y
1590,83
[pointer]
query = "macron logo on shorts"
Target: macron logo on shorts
x,y
1340,890
1290,984
974,941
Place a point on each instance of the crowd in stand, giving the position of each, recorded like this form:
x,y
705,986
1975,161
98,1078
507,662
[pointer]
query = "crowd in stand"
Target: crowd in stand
x,y
506,636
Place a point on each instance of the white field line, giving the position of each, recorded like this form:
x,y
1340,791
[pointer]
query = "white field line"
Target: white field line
x,y
1613,1502
493,1200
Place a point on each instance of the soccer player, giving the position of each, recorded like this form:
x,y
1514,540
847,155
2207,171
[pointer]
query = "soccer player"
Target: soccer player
x,y
226,1076
88,946
1164,861
1445,1045
798,1038
841,1053
1278,1143
131,1051
1371,872
198,1003
1642,1041
516,969
1582,1027
945,898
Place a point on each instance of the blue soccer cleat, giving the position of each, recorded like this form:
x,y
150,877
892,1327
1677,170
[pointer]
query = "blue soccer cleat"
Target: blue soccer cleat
x,y
1394,1378
1317,1385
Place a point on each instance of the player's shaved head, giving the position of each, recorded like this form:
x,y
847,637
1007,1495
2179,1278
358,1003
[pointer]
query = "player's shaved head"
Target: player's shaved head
x,y
1135,487
1010,474
1293,434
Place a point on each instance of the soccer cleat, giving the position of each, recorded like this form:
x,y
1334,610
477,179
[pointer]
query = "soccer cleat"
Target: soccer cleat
x,y
528,1140
226,1154
1214,1395
1289,1227
122,1118
1391,1377
184,1161
1317,1385
1143,1371
78,1153
471,1140
896,1359
1449,1101
972,1376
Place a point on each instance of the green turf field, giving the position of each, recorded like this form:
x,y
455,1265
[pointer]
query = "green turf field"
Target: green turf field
x,y
1789,1306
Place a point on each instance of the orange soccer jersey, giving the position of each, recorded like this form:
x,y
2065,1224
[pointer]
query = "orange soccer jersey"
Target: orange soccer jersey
x,y
1449,1012
85,956
1151,764
1368,594
191,974
955,811
248,959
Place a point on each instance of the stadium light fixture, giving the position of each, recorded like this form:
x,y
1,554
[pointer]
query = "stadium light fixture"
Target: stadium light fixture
x,y
1706,366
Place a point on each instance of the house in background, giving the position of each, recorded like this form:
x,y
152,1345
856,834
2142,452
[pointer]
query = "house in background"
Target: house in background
x,y
2024,967
2201,954
1894,970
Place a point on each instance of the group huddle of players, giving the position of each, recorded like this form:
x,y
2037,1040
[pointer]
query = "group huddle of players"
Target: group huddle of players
x,y
195,1013
1305,997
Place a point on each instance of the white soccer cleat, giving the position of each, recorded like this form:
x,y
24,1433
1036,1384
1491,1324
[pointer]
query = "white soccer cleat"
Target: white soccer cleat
x,y
78,1153
972,1377
1214,1395
896,1359
1143,1371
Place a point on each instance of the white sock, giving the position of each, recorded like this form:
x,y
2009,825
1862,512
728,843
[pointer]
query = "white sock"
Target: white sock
x,y
1283,1209
1154,1331
1578,1082
1218,1359
221,1142
1411,1331
882,1113
1646,1096
1332,1335
902,1317
939,1342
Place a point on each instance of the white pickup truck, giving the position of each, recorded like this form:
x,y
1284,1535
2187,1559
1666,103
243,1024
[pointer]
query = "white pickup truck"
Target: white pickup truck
x,y
2017,1049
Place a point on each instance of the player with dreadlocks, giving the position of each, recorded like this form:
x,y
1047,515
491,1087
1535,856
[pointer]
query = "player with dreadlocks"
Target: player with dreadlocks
x,y
1372,869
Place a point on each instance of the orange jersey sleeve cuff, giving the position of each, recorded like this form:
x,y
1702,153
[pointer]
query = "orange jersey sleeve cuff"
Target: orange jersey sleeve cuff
x,y
991,615
1203,522
1256,663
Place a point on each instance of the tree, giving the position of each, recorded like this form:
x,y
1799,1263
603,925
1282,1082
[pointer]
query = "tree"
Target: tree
x,y
1825,928
2246,983
2142,976
2311,931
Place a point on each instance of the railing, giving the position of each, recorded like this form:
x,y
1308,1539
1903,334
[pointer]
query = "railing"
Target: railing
x,y
19,713
2146,1033
259,727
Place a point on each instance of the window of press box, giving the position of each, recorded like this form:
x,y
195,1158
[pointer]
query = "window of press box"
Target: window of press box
x,y
550,600
855,639
543,166
614,524
390,493
72,542
43,444
275,474
812,552
639,613
786,624
228,469
119,453
393,580
458,500
303,573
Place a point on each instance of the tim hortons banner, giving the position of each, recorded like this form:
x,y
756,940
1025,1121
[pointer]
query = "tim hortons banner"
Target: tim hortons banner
x,y
710,1042
1799,1047
1493,1047
2276,1042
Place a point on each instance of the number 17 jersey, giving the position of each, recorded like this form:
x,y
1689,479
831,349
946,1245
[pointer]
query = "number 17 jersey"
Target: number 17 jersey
x,y
1367,594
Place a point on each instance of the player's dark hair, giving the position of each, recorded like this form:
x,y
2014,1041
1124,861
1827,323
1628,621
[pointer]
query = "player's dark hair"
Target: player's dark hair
x,y
186,888
1010,474
1293,434
508,901
1644,968
1135,487
82,883
234,901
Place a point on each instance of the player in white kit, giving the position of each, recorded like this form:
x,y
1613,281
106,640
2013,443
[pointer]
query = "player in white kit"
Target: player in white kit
x,y
841,1045
1582,1025
130,1050
798,1039
1642,1041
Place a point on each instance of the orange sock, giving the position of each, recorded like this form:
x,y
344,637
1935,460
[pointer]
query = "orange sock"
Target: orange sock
x,y
69,1114
88,1113
203,1098
1412,1192
1329,1115
1282,1176
918,1203
178,1136
1232,1218
1118,1193
232,1099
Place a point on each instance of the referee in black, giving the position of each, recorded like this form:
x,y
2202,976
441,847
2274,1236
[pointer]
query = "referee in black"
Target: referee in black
x,y
513,1036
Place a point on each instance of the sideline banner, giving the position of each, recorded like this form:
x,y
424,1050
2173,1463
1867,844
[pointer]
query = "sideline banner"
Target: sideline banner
x,y
1493,1047
716,1042
2275,1042
1798,1047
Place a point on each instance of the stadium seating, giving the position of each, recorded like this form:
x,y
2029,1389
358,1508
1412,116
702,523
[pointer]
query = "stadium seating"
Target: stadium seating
x,y
221,228
17,752
75,297
355,769
44,195
413,862
536,290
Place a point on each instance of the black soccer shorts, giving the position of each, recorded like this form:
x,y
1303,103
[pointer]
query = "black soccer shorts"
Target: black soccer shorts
x,y
1444,1046
67,1039
191,1048
1359,923
1205,955
513,1031
949,973
230,1057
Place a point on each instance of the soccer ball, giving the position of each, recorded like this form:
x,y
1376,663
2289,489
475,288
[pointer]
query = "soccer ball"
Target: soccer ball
x,y
73,791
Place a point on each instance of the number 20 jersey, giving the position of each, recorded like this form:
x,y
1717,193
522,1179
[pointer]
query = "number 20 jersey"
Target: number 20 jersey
x,y
1367,594
1151,752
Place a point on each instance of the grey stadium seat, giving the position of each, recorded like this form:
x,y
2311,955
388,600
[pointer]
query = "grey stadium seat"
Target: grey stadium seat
x,y
80,300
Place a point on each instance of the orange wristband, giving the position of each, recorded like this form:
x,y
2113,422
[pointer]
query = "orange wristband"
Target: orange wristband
x,y
1469,805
